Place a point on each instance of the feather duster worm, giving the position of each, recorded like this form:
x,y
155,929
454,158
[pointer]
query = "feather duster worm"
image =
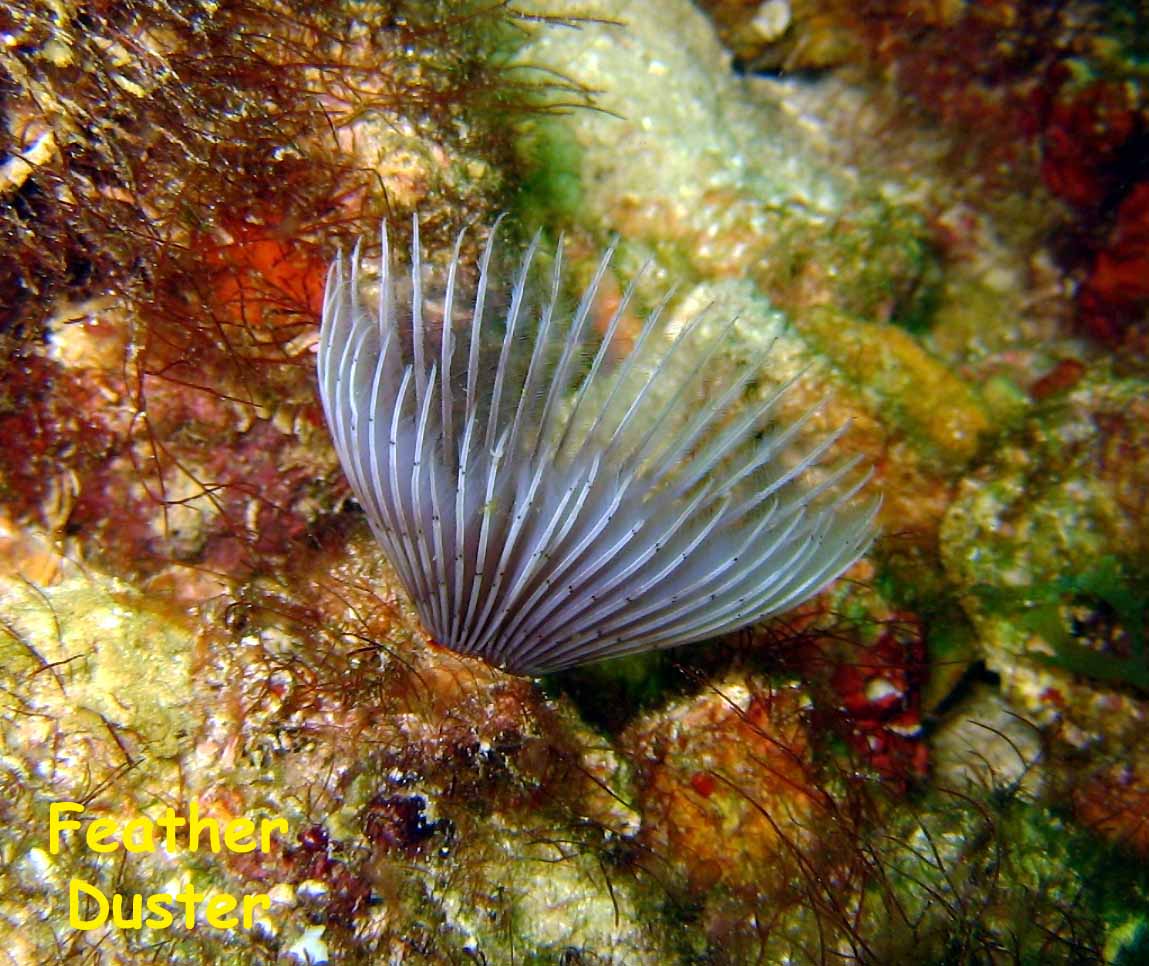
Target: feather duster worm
x,y
546,505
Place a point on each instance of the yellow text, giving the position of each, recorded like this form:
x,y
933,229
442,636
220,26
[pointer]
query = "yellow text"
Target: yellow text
x,y
143,834
158,911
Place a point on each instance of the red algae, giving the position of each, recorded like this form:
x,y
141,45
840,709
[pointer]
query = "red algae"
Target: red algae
x,y
1114,297
880,690
1084,134
1064,375
55,427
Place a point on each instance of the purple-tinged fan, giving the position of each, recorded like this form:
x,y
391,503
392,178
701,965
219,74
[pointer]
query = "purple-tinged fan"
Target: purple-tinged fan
x,y
546,504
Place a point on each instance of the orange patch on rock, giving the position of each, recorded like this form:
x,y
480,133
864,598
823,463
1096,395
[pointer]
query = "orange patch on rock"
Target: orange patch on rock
x,y
725,786
262,279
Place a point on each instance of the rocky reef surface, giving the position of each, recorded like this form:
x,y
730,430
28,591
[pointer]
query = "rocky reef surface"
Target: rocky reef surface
x,y
942,758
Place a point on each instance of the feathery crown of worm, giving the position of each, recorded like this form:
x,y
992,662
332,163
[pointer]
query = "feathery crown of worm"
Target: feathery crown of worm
x,y
546,504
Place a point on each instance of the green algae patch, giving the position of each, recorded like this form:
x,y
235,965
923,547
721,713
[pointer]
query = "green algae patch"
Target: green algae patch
x,y
1094,621
610,693
910,387
550,160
